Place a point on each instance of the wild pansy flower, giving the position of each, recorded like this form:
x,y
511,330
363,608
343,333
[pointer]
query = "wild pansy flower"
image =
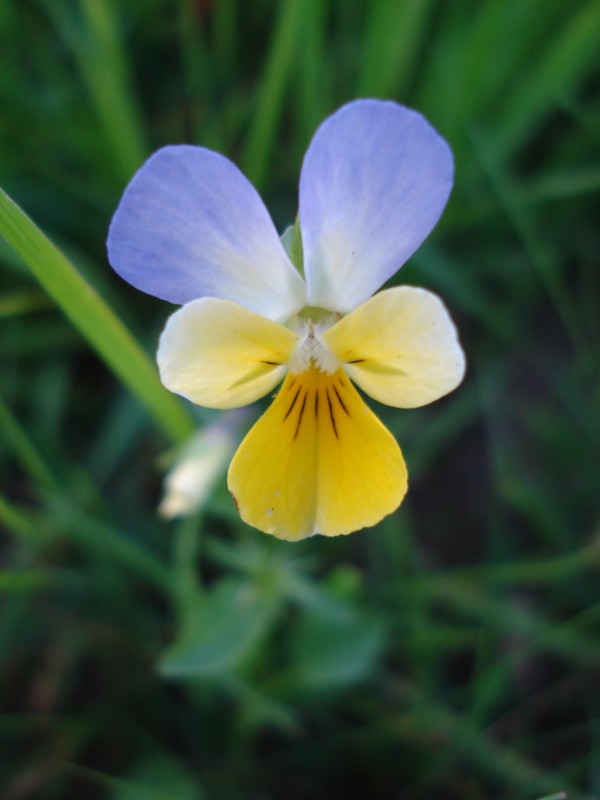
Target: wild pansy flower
x,y
191,229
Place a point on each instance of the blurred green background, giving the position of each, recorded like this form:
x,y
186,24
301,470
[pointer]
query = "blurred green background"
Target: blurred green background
x,y
451,652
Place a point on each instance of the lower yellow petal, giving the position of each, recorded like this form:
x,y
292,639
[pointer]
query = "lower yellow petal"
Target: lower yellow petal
x,y
318,461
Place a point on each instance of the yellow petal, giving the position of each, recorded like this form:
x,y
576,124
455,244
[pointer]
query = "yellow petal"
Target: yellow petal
x,y
220,355
318,461
400,347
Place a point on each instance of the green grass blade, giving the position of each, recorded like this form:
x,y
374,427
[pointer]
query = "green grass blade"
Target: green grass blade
x,y
392,40
15,521
60,520
562,66
24,450
312,96
541,256
270,101
97,45
100,540
18,302
561,185
479,749
26,581
92,318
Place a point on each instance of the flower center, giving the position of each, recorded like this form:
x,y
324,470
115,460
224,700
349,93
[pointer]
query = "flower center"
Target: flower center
x,y
310,351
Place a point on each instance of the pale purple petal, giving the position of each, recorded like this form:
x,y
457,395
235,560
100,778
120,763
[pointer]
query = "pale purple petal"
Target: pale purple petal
x,y
374,183
191,225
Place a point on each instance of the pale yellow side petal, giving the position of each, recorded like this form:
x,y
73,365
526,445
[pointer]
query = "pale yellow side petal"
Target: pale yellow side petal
x,y
400,347
220,355
318,461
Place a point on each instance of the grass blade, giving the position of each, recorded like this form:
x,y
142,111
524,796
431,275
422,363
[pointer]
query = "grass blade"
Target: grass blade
x,y
270,101
92,318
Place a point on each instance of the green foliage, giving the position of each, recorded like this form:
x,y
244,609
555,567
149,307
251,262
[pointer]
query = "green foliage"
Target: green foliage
x,y
218,630
453,650
330,654
90,315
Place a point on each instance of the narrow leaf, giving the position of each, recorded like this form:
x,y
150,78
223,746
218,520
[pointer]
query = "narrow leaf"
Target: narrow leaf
x,y
92,318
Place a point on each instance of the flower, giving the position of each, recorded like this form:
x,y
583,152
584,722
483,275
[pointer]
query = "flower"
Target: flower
x,y
190,480
192,230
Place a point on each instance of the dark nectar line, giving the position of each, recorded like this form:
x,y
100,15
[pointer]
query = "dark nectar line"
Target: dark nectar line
x,y
301,414
341,401
331,414
293,403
